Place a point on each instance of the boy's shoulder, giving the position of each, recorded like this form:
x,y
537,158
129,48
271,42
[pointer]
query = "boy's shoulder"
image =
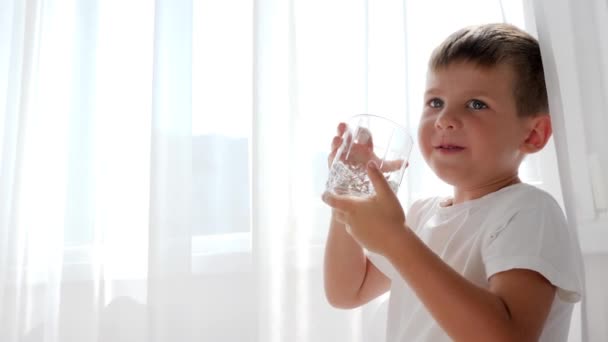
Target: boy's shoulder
x,y
524,196
519,201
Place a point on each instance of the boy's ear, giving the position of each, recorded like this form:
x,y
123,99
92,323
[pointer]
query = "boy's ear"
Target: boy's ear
x,y
539,131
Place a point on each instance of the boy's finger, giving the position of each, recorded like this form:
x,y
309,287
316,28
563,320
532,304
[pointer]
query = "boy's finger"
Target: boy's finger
x,y
380,184
391,165
364,137
341,128
335,143
335,202
340,216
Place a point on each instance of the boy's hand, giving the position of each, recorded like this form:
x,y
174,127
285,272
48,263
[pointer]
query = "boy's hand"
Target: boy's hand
x,y
373,221
361,151
336,142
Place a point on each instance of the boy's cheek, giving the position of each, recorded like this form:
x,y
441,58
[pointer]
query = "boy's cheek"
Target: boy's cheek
x,y
422,125
426,126
424,143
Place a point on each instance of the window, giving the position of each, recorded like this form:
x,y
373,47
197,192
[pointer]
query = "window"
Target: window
x,y
373,62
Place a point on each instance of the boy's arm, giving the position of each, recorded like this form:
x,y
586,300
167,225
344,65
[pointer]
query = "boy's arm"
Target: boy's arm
x,y
351,280
513,309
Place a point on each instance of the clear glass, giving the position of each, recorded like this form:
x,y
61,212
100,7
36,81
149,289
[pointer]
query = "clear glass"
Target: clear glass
x,y
369,137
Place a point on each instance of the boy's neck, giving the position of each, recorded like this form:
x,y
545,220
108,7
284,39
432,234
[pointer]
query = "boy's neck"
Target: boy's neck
x,y
466,194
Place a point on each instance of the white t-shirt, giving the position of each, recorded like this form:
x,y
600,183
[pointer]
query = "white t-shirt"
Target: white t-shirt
x,y
519,226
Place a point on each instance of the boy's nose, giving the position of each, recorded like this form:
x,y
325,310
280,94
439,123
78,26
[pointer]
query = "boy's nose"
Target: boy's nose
x,y
446,120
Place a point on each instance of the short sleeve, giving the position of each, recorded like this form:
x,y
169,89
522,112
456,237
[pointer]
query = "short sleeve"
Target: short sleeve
x,y
537,239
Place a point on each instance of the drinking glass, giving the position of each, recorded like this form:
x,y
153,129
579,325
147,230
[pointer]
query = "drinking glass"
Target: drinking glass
x,y
369,137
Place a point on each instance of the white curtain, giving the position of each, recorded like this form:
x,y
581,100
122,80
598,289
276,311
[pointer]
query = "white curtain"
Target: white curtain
x,y
161,162
574,41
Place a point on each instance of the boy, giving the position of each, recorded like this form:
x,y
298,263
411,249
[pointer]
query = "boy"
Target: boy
x,y
496,261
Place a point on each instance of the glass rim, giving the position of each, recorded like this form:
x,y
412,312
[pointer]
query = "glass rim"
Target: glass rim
x,y
391,121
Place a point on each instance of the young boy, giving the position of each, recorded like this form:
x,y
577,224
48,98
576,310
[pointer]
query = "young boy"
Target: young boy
x,y
494,262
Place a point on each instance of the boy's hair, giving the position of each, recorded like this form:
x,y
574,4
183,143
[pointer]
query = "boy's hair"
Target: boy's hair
x,y
494,44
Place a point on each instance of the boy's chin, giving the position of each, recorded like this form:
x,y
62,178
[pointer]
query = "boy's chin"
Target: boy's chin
x,y
453,183
452,177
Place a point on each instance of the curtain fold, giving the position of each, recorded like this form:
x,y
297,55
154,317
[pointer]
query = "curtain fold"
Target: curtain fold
x,y
169,248
21,57
574,43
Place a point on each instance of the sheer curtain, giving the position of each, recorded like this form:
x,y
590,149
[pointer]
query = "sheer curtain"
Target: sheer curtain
x,y
574,40
161,162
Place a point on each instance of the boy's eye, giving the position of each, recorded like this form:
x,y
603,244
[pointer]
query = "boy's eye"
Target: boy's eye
x,y
477,105
435,103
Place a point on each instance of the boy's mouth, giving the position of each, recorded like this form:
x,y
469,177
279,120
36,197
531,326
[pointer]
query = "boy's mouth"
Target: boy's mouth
x,y
449,148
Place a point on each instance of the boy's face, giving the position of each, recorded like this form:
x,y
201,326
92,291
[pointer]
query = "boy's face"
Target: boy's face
x,y
469,133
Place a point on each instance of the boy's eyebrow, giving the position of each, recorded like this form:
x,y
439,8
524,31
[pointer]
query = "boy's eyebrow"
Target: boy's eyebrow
x,y
473,92
479,93
431,91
